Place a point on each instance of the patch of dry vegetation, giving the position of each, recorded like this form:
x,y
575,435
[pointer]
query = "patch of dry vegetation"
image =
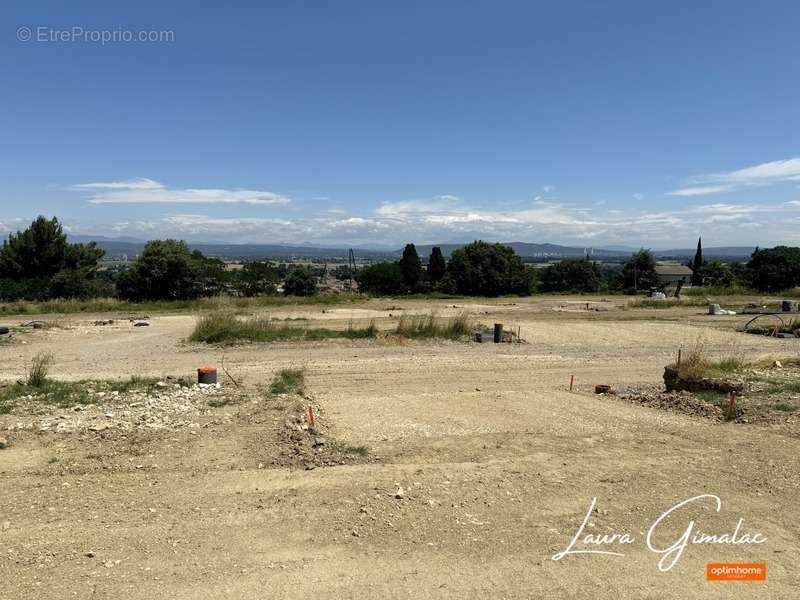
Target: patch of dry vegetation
x,y
221,327
100,305
666,303
431,326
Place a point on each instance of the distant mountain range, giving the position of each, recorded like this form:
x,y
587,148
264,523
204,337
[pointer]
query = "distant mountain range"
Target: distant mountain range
x,y
116,248
119,247
530,250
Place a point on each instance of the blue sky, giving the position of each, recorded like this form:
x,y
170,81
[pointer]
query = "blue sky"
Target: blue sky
x,y
375,123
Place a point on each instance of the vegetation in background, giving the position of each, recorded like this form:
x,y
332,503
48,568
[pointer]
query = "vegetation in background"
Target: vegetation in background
x,y
717,274
639,272
380,279
775,269
287,381
437,267
483,269
257,278
300,281
576,275
410,268
39,264
226,327
168,270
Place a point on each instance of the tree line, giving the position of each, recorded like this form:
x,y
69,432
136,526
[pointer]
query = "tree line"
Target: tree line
x,y
39,264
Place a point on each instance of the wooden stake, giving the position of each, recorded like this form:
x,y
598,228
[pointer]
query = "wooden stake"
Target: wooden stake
x,y
571,382
731,404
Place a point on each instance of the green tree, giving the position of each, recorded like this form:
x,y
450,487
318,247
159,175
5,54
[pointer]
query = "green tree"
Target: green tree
x,y
38,263
410,267
775,269
579,275
697,264
300,281
719,274
484,269
38,251
380,278
639,272
257,278
168,270
437,267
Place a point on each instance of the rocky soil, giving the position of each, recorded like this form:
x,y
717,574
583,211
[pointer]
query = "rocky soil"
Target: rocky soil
x,y
168,406
434,470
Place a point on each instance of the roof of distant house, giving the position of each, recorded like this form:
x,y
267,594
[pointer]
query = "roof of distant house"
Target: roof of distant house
x,y
673,270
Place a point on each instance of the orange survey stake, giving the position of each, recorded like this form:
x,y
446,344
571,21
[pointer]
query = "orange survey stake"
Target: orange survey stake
x,y
736,571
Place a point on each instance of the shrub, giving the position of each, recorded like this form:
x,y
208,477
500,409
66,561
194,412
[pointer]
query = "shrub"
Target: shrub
x,y
288,381
300,281
696,363
38,369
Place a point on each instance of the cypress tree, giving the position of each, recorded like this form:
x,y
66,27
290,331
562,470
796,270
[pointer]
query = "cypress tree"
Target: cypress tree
x,y
697,264
410,267
436,265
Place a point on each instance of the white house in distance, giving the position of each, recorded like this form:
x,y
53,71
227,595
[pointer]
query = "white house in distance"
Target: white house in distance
x,y
670,274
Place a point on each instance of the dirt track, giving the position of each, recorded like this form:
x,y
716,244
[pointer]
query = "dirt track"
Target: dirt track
x,y
496,459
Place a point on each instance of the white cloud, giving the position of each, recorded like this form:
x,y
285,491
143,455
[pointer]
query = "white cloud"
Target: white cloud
x,y
445,218
409,207
778,170
130,184
763,174
548,188
700,190
147,191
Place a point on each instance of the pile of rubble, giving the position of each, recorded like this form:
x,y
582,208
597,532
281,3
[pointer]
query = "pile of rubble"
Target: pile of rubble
x,y
166,406
679,402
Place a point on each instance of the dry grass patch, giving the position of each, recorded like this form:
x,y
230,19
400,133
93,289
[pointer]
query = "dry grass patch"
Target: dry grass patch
x,y
666,303
431,326
225,327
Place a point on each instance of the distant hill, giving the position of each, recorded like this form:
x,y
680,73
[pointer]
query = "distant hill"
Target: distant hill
x,y
131,247
530,250
116,248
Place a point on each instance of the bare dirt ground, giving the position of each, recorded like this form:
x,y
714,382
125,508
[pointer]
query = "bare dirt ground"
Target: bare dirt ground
x,y
480,465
